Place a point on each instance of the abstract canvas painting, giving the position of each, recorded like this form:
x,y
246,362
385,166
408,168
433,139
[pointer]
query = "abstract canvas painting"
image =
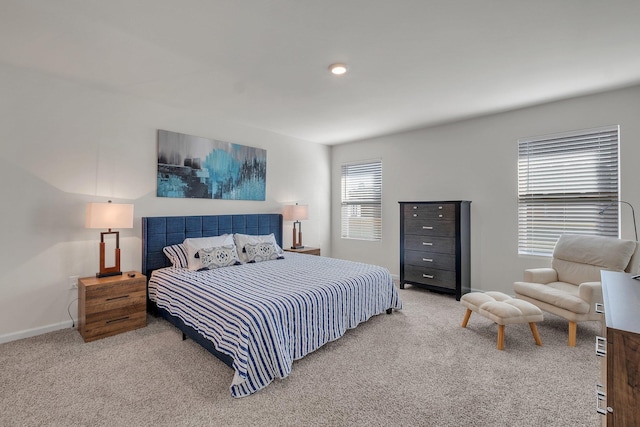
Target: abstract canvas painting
x,y
195,167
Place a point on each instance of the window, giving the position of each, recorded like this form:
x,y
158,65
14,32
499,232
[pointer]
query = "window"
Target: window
x,y
362,200
565,181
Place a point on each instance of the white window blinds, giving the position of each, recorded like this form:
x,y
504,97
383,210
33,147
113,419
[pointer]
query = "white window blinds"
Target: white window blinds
x,y
362,200
564,182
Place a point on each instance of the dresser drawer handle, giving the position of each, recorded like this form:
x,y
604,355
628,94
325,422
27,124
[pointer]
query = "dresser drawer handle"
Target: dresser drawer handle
x,y
415,207
427,244
599,308
440,216
439,207
116,298
415,215
121,319
427,259
426,227
601,346
427,276
601,397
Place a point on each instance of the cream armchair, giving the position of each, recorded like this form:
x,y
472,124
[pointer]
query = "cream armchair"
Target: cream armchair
x,y
571,287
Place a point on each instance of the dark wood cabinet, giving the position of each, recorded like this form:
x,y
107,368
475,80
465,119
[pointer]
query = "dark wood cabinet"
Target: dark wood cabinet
x,y
435,246
618,392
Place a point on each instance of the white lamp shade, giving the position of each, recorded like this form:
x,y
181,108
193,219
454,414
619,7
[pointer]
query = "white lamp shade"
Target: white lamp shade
x,y
109,215
295,212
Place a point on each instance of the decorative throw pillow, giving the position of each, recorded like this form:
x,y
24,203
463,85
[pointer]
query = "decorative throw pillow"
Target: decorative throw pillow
x,y
242,240
177,254
264,251
220,256
194,244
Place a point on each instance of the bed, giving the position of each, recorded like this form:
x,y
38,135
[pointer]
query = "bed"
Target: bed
x,y
258,317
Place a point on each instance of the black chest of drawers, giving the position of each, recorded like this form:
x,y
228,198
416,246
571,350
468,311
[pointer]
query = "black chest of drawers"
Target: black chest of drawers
x,y
435,246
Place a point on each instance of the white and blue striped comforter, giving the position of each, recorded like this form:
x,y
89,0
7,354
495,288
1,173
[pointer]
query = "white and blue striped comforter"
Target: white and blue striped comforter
x,y
268,314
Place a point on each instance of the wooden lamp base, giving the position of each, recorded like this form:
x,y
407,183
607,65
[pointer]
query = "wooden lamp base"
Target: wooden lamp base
x,y
297,241
109,271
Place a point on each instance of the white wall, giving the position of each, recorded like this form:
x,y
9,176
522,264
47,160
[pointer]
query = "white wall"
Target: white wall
x,y
64,145
476,160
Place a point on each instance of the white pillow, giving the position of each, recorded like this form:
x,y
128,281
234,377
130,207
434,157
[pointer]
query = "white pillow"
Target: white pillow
x,y
246,239
193,245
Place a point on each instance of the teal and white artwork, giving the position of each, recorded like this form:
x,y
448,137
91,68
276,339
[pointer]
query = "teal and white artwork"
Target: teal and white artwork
x,y
195,167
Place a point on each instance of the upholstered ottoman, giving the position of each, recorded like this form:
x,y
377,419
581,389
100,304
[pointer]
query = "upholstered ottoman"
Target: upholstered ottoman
x,y
503,310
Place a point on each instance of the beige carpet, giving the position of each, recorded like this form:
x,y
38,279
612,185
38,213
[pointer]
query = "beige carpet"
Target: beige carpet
x,y
416,367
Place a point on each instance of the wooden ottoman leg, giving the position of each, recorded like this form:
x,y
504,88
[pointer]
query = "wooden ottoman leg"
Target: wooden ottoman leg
x,y
573,326
534,331
467,315
500,337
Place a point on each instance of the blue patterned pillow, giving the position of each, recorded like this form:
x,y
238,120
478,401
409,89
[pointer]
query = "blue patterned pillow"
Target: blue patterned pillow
x,y
177,254
194,244
242,240
264,251
220,256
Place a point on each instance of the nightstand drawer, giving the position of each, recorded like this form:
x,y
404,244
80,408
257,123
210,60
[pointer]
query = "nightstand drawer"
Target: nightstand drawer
x,y
305,250
106,323
108,297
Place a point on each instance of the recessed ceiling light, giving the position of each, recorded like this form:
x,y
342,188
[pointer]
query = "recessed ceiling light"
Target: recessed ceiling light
x,y
338,69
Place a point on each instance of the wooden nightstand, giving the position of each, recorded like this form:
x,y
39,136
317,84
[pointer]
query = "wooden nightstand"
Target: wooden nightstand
x,y
111,305
306,250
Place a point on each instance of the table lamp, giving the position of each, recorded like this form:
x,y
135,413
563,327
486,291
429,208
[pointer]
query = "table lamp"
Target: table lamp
x,y
295,213
109,215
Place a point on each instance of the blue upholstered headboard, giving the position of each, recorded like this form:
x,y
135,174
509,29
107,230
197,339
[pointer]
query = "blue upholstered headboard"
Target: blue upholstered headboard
x,y
158,232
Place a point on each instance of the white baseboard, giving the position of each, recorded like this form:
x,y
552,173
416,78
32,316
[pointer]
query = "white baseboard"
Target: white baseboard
x,y
14,336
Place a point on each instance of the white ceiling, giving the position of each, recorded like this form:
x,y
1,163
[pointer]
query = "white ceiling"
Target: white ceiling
x,y
263,63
